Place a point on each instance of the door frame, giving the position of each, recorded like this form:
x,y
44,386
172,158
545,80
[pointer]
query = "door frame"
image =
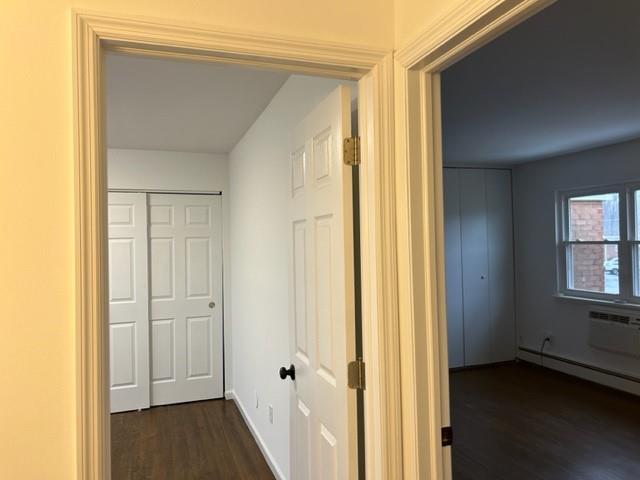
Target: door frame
x,y
95,33
420,222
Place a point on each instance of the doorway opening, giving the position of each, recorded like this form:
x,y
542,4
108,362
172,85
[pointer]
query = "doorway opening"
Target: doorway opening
x,y
539,190
232,251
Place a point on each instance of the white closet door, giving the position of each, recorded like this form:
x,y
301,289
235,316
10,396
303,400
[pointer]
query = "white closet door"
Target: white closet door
x,y
128,302
501,278
453,268
185,244
475,267
322,406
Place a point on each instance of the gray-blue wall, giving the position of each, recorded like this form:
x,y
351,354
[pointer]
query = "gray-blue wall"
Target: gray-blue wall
x,y
537,309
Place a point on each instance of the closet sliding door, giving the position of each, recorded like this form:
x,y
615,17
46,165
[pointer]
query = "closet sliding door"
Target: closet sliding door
x,y
128,302
165,299
475,267
185,270
453,267
479,266
501,274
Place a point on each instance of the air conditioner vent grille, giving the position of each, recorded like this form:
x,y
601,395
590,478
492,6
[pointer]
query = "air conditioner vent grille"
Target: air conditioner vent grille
x,y
611,317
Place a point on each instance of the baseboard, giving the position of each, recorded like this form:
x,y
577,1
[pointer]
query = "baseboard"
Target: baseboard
x,y
575,368
273,465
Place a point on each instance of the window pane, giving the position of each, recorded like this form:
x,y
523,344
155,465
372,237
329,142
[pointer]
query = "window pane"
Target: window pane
x,y
594,268
594,217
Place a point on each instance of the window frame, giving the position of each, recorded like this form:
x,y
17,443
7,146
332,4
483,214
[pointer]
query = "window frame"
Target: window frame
x,y
627,269
633,240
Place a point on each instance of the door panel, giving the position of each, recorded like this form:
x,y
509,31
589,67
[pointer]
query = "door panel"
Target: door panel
x,y
475,261
501,281
162,268
453,268
123,357
323,424
186,300
128,302
163,354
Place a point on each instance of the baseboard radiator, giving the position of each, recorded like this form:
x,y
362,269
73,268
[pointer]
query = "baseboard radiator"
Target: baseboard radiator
x,y
614,333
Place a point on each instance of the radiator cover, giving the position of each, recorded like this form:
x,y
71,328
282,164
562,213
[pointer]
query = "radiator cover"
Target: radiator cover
x,y
620,334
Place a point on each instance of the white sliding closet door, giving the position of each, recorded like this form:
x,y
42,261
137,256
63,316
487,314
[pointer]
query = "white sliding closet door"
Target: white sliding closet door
x,y
475,267
501,279
479,266
453,263
128,302
185,244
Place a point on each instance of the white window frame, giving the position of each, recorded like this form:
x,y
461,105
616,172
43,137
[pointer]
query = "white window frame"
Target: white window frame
x,y
628,271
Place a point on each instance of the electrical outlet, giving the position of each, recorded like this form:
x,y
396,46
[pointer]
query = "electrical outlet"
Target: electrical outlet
x,y
271,414
257,399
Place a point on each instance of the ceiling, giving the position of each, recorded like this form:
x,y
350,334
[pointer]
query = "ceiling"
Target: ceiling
x,y
159,104
565,80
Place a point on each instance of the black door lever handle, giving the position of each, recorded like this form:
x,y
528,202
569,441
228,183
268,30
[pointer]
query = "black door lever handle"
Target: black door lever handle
x,y
291,372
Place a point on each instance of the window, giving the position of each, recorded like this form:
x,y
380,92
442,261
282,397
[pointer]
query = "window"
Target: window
x,y
599,243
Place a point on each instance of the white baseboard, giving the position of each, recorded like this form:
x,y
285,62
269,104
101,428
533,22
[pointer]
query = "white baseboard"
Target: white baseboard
x,y
582,372
273,465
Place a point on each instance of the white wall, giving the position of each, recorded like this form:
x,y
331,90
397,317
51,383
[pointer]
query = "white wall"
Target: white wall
x,y
538,311
162,170
260,256
181,171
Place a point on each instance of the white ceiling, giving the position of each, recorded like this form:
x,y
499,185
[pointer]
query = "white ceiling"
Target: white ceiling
x,y
158,104
565,80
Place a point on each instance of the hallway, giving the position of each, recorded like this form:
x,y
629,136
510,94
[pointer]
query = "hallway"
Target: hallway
x,y
190,441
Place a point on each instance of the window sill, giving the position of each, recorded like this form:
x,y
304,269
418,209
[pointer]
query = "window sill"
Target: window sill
x,y
598,301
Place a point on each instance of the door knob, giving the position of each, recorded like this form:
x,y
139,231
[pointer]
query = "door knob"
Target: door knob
x,y
291,372
212,304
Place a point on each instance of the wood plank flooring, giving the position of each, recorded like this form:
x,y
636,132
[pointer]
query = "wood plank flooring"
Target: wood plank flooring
x,y
523,422
191,441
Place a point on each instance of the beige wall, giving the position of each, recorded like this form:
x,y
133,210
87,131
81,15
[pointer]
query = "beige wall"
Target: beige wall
x,y
412,17
37,397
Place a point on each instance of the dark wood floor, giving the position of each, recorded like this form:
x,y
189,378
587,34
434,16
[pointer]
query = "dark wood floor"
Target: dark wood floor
x,y
191,441
523,422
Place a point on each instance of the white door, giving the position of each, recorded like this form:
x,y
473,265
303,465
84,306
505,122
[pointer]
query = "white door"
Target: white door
x,y
128,302
185,262
475,268
501,283
323,425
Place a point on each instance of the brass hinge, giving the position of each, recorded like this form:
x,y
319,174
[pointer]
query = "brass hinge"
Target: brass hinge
x,y
355,375
351,151
447,436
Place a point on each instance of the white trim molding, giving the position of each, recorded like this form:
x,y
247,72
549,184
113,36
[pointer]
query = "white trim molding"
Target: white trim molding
x,y
92,34
420,233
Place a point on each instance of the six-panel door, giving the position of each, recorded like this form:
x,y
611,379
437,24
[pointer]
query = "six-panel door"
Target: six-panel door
x,y
165,294
128,301
323,408
185,271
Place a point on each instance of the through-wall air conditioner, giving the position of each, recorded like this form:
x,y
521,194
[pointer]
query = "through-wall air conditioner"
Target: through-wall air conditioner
x,y
617,333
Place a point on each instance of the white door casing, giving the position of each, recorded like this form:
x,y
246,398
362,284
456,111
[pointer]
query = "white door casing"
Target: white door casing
x,y
185,271
323,427
128,302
